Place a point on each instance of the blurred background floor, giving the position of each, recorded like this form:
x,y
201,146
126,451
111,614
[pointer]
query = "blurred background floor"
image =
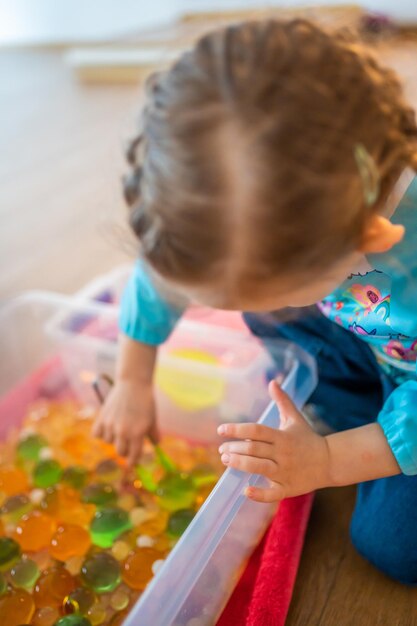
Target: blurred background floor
x,y
62,222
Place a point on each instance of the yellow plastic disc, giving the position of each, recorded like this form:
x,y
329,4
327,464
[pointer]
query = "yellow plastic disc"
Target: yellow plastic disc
x,y
191,390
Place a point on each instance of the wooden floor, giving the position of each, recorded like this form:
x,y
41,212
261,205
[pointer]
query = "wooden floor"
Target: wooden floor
x,y
61,223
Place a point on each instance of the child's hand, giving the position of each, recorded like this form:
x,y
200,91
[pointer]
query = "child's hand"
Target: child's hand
x,y
294,458
128,416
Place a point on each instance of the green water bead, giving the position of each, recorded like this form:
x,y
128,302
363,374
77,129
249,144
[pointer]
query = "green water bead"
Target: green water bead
x,y
108,524
203,475
73,620
15,507
100,494
25,574
176,491
101,572
9,552
75,476
47,473
79,601
29,448
178,522
3,585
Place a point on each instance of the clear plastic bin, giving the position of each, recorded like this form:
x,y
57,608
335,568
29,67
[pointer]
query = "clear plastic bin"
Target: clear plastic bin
x,y
205,374
108,289
196,580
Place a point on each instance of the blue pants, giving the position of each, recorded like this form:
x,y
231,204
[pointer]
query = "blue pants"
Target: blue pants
x,y
350,393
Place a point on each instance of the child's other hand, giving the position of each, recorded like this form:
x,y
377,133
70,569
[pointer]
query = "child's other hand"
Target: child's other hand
x,y
127,416
294,458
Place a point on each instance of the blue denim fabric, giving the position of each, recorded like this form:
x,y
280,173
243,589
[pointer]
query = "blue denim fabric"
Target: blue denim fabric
x,y
351,392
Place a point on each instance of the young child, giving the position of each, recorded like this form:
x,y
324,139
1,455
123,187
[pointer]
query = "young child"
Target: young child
x,y
268,175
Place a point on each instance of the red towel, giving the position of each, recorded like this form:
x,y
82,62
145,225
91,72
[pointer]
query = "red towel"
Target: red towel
x,y
263,594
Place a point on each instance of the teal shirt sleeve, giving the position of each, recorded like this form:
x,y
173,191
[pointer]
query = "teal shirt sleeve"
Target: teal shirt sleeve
x,y
398,420
145,315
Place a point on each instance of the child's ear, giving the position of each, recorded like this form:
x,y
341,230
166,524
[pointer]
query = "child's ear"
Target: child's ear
x,y
380,235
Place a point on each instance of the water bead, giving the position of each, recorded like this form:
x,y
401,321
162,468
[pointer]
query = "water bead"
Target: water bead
x,y
25,574
53,586
97,614
120,550
34,531
203,474
100,494
176,491
139,514
42,558
127,501
15,507
163,543
68,541
178,522
46,454
101,572
144,541
9,552
64,503
107,525
156,566
74,565
16,607
73,620
75,476
29,448
13,481
47,473
137,569
79,601
108,471
154,526
46,616
36,496
119,600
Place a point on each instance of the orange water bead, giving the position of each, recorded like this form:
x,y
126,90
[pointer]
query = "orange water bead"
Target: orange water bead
x,y
84,450
34,531
16,607
154,526
65,505
13,480
69,540
137,569
52,587
46,616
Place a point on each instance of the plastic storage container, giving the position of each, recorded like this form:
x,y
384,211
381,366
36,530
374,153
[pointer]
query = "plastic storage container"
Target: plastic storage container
x,y
199,575
108,289
205,374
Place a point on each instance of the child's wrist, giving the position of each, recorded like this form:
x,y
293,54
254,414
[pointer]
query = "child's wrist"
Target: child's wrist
x,y
336,475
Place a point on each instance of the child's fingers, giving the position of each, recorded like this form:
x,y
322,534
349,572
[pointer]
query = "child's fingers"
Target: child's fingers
x,y
267,494
154,434
256,432
135,450
98,429
108,432
250,464
249,448
122,445
285,405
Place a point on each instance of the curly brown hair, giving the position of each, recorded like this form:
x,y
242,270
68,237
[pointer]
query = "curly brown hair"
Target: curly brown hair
x,y
245,166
